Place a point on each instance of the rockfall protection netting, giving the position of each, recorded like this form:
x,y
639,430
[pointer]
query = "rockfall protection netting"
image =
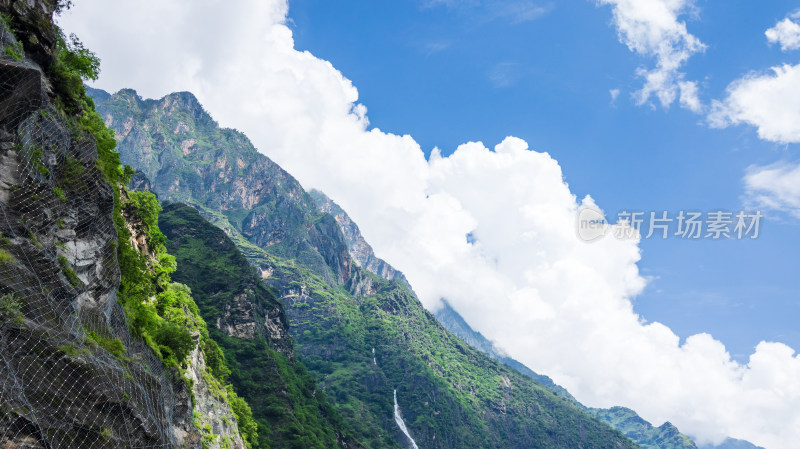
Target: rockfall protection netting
x,y
64,381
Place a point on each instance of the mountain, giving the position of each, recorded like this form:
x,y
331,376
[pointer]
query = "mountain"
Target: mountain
x,y
453,322
365,339
99,348
251,326
665,436
627,421
623,419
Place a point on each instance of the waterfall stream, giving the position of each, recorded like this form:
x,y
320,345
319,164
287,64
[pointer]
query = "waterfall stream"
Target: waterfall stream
x,y
401,424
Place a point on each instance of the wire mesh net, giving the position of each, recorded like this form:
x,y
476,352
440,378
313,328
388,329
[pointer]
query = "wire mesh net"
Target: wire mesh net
x,y
71,374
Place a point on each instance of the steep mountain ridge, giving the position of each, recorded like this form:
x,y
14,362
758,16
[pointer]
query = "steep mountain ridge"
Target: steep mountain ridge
x,y
360,335
357,246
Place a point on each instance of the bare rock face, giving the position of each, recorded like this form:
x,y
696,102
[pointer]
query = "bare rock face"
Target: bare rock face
x,y
21,89
361,284
238,318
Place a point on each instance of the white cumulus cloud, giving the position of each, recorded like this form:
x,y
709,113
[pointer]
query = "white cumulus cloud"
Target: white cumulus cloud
x,y
558,304
786,33
769,101
774,187
653,29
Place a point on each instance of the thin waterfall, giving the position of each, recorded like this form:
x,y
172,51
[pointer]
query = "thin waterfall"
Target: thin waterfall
x,y
401,424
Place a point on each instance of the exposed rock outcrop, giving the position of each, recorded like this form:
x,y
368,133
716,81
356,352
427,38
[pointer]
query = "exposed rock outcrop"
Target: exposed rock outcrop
x,y
211,410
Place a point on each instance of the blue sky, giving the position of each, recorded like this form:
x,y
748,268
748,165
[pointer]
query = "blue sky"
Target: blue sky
x,y
447,74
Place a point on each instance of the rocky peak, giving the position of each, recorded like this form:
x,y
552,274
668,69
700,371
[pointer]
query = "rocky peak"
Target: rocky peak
x,y
357,246
184,101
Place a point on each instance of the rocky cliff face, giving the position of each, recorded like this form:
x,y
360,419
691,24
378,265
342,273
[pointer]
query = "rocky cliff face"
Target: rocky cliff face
x,y
228,290
71,373
212,412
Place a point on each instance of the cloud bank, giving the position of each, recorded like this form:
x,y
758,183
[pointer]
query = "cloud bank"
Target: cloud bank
x,y
524,279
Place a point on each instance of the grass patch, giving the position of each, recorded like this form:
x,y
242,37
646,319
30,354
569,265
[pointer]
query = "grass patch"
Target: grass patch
x,y
59,194
11,308
70,274
113,345
6,257
14,51
34,239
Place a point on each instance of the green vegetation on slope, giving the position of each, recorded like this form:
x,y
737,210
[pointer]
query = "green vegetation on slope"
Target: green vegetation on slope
x,y
623,419
289,409
167,324
646,435
490,406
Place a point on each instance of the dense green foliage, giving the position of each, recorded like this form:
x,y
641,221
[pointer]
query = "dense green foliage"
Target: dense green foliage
x,y
11,308
76,58
451,395
289,409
